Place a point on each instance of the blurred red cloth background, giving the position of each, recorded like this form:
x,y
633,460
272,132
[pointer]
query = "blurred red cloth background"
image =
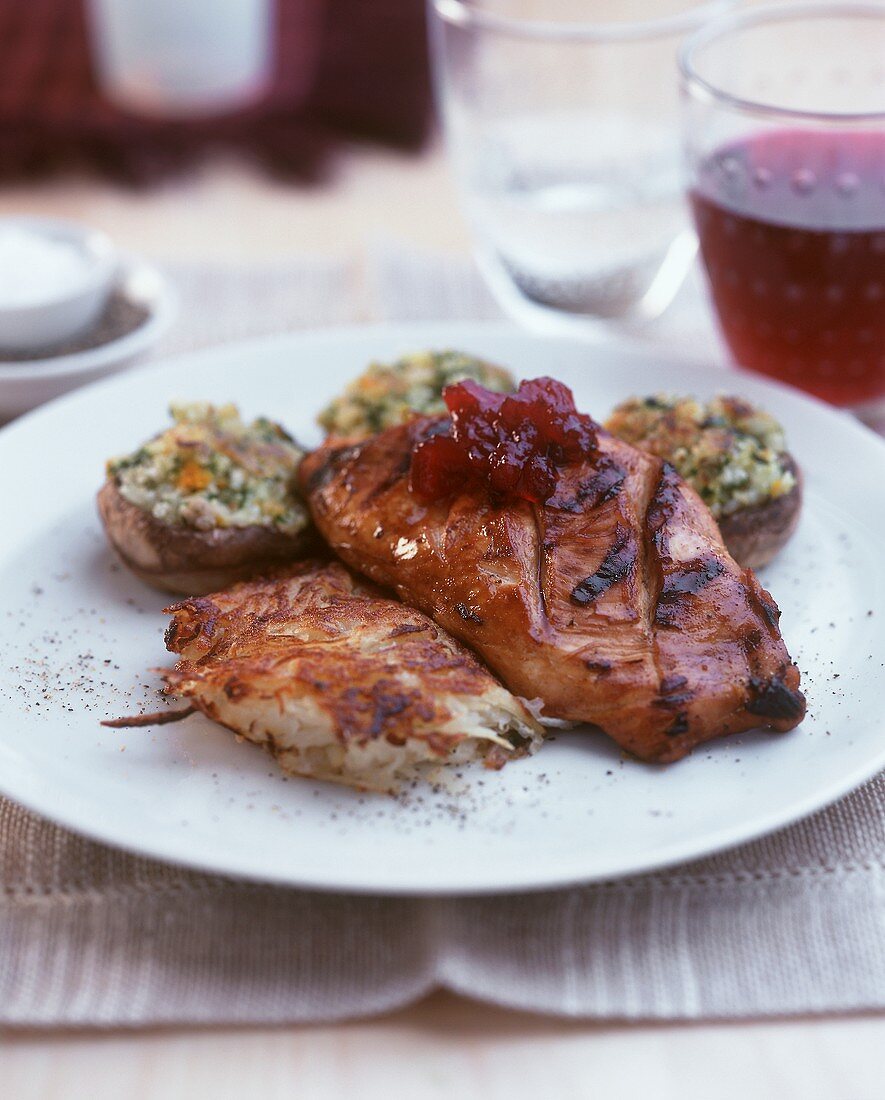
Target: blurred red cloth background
x,y
355,68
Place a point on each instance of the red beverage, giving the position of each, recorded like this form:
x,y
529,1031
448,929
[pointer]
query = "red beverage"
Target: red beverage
x,y
792,233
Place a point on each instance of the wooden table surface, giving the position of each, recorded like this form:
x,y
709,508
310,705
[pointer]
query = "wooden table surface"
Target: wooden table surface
x,y
444,1047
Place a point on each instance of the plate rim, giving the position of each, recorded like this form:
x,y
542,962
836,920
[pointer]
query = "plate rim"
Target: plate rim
x,y
564,877
562,873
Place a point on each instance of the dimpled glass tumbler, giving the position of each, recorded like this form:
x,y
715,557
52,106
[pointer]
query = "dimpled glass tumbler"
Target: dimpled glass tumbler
x,y
784,134
563,128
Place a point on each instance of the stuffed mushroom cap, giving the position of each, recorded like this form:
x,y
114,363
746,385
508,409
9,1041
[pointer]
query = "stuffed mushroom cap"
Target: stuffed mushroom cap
x,y
208,501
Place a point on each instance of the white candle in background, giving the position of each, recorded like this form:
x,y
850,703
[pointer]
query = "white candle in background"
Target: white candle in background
x,y
182,57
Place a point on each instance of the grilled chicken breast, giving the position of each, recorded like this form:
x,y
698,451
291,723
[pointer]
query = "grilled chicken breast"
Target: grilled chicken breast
x,y
338,682
615,602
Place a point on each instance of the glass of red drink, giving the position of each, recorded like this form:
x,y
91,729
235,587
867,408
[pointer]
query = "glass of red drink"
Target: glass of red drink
x,y
784,136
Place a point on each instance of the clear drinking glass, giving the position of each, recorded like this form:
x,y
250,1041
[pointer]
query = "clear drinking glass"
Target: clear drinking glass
x,y
562,123
784,124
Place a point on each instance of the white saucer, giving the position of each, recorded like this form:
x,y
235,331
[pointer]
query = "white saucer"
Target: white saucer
x,y
26,383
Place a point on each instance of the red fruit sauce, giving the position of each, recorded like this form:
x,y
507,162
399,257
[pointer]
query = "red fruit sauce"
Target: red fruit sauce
x,y
792,233
510,445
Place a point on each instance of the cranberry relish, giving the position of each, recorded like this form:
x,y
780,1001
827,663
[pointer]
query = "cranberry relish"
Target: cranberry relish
x,y
512,445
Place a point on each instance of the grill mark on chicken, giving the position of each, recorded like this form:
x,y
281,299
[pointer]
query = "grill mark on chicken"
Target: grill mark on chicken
x,y
603,484
661,507
657,508
674,692
617,565
678,726
687,581
674,695
772,698
763,602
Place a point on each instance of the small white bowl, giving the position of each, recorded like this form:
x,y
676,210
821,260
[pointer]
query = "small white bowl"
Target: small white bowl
x,y
61,315
26,383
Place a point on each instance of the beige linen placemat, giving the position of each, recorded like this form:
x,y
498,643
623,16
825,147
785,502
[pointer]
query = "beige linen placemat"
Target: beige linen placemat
x,y
794,923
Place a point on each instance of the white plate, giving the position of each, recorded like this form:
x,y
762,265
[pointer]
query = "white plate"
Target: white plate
x,y
26,384
82,636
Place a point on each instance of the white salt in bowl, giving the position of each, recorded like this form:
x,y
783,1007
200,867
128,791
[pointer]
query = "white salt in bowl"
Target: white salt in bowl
x,y
55,279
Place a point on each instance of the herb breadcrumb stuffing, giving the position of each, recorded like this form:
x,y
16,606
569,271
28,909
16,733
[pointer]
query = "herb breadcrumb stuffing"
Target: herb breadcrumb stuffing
x,y
385,395
732,454
210,469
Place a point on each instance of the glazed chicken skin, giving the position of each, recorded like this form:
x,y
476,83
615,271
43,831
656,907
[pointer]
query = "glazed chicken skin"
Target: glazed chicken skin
x,y
615,602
